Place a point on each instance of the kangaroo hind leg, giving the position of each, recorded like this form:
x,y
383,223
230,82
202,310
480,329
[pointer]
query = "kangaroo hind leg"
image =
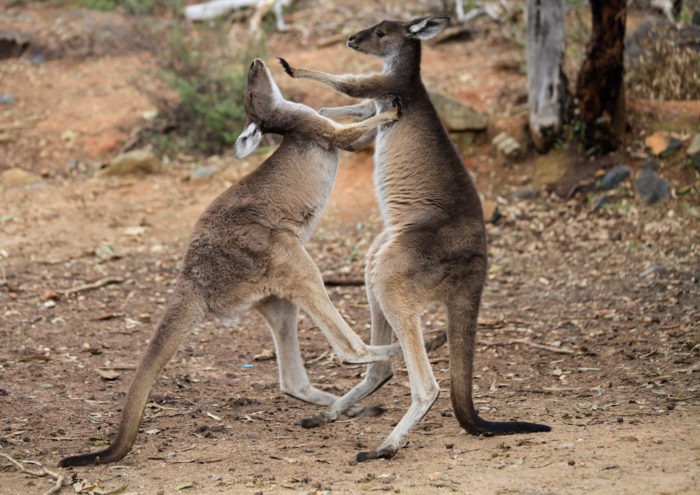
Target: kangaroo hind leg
x,y
401,309
377,373
303,286
282,316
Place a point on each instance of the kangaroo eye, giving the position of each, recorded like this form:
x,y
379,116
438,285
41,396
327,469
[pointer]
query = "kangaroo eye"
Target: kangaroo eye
x,y
380,34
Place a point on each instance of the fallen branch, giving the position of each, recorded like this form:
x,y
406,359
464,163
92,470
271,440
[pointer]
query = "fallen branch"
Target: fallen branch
x,y
336,282
38,474
91,286
557,350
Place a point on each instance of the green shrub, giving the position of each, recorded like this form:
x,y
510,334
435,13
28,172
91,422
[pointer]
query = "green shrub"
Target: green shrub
x,y
210,84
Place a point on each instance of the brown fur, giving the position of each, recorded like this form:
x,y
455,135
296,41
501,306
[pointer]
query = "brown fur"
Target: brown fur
x,y
433,247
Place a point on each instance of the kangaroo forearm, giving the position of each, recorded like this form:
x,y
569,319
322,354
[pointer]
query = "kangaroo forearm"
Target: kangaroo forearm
x,y
357,86
362,142
362,110
352,136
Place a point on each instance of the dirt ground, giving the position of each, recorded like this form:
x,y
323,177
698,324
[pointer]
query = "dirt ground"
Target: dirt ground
x,y
589,320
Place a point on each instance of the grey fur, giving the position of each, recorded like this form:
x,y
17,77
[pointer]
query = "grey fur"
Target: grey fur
x,y
433,246
246,251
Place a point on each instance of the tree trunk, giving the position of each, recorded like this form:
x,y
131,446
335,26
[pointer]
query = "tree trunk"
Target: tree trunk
x,y
547,84
600,86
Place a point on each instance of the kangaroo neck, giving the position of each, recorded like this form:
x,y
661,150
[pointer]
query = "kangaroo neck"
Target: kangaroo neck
x,y
405,65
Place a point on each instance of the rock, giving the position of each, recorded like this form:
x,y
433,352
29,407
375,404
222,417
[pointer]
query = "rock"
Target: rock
x,y
650,187
657,142
673,146
694,147
458,116
600,202
16,177
491,212
613,178
137,162
696,161
507,145
7,99
203,172
662,144
525,193
12,44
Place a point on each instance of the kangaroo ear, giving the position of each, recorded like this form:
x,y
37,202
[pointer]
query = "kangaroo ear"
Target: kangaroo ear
x,y
248,140
426,27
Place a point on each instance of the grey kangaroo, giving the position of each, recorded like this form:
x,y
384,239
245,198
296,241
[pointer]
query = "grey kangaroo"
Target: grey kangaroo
x,y
246,250
433,246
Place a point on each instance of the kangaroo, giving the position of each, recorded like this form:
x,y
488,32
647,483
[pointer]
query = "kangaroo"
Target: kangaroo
x,y
433,245
246,250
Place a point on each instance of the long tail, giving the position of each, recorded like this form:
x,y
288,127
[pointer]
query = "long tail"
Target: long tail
x,y
184,311
461,336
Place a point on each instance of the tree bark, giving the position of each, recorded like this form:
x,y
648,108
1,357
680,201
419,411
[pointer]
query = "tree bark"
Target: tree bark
x,y
600,85
547,84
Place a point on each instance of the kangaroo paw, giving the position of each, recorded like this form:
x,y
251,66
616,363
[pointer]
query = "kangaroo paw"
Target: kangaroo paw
x,y
285,65
375,454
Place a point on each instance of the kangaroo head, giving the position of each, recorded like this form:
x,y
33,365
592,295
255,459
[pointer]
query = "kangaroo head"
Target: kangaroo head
x,y
262,102
386,39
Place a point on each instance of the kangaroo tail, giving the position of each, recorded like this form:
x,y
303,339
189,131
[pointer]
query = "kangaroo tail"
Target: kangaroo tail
x,y
460,338
184,311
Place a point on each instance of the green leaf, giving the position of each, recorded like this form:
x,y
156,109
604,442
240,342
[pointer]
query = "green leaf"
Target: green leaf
x,y
183,485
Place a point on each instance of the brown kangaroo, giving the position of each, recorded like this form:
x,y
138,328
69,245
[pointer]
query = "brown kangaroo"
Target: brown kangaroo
x,y
433,246
246,250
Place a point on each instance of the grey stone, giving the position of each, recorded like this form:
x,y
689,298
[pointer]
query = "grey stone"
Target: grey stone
x,y
613,178
527,192
650,187
7,99
203,172
458,116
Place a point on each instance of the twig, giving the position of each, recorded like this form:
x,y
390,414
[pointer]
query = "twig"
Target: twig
x,y
94,285
321,357
38,474
558,350
336,282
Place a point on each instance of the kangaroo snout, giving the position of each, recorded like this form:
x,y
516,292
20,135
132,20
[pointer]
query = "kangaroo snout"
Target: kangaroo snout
x,y
255,67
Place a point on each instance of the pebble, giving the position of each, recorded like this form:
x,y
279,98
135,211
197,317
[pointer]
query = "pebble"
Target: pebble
x,y
7,99
524,193
507,145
